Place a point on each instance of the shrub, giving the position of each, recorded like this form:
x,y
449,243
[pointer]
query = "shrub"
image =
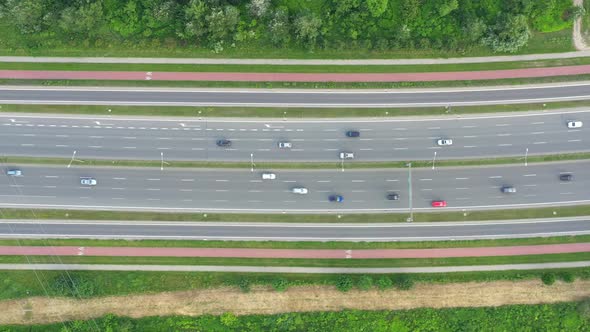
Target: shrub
x,y
548,278
567,277
403,282
244,285
384,283
69,284
344,283
584,308
280,284
365,283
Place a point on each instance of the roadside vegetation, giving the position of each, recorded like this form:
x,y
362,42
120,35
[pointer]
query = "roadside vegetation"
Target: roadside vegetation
x,y
88,284
569,316
284,28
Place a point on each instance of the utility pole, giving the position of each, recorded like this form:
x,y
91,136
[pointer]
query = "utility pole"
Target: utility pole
x,y
411,218
251,162
526,155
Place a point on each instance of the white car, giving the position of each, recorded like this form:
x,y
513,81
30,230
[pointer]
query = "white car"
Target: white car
x,y
574,124
88,181
14,172
300,191
269,176
285,145
346,155
444,141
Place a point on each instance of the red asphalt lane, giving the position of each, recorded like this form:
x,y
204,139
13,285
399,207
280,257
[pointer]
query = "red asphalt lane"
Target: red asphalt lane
x,y
294,253
295,77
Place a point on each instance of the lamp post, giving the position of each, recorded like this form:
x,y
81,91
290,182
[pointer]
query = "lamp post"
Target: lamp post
x,y
411,218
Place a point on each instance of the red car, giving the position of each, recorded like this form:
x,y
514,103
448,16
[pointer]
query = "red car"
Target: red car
x,y
439,203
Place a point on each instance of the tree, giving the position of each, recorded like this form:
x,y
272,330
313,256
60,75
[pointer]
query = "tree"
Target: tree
x,y
222,22
259,8
280,284
509,34
474,29
160,18
344,283
86,21
384,283
548,278
307,28
27,15
377,7
279,28
447,7
403,282
194,21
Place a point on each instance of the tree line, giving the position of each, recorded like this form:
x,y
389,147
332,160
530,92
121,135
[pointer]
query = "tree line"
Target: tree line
x,y
502,25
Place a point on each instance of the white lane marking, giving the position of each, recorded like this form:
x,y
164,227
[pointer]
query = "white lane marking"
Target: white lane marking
x,y
425,179
462,188
251,201
399,129
153,189
426,189
392,180
573,130
330,129
435,147
503,125
366,149
153,199
254,191
98,137
63,136
330,139
495,177
433,128
95,146
289,181
153,179
530,175
117,188
29,135
531,195
255,181
567,193
400,139
51,176
469,127
461,178
504,135
574,140
119,178
130,137
129,147
470,136
49,187
540,143
469,146
324,181
538,123
264,139
297,150
530,185
163,149
221,200
221,180
187,180
197,149
263,150
330,149
537,133
366,139
358,181
398,149
506,144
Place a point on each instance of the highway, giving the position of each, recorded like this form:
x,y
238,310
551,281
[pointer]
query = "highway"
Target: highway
x,y
200,190
292,232
293,98
96,137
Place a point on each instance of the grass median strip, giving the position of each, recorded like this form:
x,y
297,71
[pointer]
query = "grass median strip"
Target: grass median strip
x,y
405,262
297,244
284,112
300,165
508,214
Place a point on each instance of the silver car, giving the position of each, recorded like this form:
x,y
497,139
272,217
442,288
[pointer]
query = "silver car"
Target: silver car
x,y
299,190
346,155
14,172
285,145
444,142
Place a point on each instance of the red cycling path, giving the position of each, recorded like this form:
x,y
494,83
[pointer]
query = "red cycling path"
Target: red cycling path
x,y
295,77
293,253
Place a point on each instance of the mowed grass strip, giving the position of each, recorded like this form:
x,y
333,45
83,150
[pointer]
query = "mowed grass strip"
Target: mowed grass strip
x,y
285,113
298,262
508,214
298,244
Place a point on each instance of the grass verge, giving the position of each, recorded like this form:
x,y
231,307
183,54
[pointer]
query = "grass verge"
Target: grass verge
x,y
298,244
302,165
285,113
291,262
299,85
483,66
509,214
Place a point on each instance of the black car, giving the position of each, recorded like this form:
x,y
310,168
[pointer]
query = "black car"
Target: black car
x,y
224,143
566,177
353,133
393,197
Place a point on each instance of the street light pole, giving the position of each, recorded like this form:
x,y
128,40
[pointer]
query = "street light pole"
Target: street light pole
x,y
433,160
342,164
526,155
411,218
251,162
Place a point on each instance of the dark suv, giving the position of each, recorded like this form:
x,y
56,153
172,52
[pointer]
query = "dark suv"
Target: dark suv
x,y
353,133
225,143
393,197
566,177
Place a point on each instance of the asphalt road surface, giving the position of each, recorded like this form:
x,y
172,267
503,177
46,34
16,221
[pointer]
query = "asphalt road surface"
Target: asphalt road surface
x,y
292,232
191,190
293,98
380,140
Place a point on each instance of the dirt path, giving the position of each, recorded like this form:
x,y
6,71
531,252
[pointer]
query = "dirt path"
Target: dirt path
x,y
296,77
39,310
579,41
